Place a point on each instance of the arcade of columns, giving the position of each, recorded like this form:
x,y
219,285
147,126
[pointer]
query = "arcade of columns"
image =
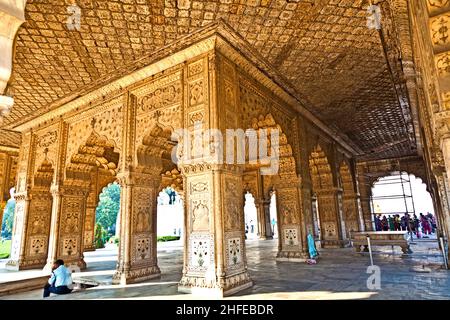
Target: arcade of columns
x,y
121,130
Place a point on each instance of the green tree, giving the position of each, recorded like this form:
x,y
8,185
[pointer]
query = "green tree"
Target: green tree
x,y
100,236
108,208
8,219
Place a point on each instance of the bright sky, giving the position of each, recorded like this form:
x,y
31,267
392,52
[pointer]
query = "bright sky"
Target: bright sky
x,y
422,199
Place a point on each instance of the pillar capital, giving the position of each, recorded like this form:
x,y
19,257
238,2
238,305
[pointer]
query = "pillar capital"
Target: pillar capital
x,y
140,178
199,167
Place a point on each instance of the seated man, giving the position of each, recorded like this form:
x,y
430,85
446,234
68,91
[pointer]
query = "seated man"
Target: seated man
x,y
60,281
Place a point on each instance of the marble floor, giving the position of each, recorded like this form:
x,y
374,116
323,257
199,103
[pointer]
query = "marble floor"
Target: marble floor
x,y
339,274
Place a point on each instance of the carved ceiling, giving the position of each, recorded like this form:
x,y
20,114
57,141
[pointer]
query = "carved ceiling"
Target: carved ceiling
x,y
323,47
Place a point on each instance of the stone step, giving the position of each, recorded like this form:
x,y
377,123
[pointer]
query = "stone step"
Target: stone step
x,y
29,284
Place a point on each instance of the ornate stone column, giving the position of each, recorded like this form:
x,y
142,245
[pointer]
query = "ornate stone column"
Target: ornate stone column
x,y
89,221
7,175
264,226
23,199
330,213
316,218
444,193
350,206
89,228
365,191
19,230
69,208
215,234
138,205
291,220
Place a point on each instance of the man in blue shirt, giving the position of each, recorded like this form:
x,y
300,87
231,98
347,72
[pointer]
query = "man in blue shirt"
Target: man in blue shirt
x,y
60,280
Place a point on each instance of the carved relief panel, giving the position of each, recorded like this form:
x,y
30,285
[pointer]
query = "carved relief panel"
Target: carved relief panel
x,y
108,123
328,217
201,253
197,98
71,226
159,101
199,204
46,146
142,253
234,250
290,236
287,204
142,210
233,204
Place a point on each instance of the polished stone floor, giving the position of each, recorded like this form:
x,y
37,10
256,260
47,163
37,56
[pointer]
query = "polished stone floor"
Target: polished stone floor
x,y
339,274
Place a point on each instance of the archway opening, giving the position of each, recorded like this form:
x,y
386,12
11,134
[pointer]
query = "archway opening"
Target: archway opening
x,y
6,225
92,169
400,201
273,215
316,218
106,232
251,217
170,216
326,220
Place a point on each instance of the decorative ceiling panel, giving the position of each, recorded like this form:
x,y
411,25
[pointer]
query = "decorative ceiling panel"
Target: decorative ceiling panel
x,y
323,47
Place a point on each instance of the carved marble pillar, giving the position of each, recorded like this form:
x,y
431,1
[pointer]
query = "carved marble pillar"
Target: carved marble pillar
x,y
21,246
330,213
444,193
138,205
292,229
68,214
89,221
19,230
3,178
215,264
264,226
350,206
308,212
33,221
316,218
89,228
365,190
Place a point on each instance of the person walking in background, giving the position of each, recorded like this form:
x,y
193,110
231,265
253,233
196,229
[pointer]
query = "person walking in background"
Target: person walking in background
x,y
403,224
384,224
391,223
396,222
377,223
432,220
426,225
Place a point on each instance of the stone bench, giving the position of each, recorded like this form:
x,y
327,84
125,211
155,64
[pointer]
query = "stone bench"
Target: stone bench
x,y
381,238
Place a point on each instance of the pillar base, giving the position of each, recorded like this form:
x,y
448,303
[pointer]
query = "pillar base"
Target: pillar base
x,y
292,256
201,287
334,243
88,249
266,238
18,265
123,277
